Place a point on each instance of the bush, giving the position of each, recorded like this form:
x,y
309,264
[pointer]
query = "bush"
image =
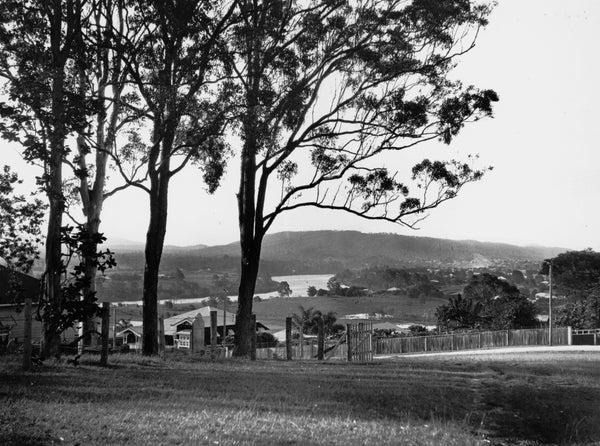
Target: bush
x,y
265,339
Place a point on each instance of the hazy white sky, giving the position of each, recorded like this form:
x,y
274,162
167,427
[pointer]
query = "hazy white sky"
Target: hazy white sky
x,y
541,57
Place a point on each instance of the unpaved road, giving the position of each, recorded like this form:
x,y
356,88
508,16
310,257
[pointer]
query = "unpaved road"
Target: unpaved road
x,y
524,349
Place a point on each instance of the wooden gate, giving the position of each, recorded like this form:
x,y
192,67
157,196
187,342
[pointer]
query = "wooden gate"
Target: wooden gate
x,y
359,338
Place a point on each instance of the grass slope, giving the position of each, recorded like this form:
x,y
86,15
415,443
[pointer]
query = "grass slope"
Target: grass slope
x,y
517,400
403,309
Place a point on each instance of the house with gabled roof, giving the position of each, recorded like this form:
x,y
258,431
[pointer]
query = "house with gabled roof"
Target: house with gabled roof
x,y
178,328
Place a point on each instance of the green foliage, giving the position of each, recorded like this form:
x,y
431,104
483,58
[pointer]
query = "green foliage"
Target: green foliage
x,y
311,291
284,289
334,287
20,224
216,302
265,339
390,65
423,289
517,277
414,283
459,313
75,305
418,330
504,306
308,320
581,314
488,302
575,273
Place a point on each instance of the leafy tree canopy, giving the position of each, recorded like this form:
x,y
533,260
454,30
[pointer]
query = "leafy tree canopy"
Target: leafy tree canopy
x,y
488,302
575,273
20,224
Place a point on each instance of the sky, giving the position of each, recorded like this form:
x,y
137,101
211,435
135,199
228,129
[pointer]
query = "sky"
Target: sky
x,y
541,58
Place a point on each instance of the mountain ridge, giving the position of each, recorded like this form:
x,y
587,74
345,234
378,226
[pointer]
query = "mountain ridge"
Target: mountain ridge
x,y
362,249
315,252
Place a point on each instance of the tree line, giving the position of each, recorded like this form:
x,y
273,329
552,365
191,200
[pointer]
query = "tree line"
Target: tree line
x,y
308,95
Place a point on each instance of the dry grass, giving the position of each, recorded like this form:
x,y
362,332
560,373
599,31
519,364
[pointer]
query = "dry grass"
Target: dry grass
x,y
403,309
443,401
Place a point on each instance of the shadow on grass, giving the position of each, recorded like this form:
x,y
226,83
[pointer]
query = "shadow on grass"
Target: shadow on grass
x,y
544,412
531,404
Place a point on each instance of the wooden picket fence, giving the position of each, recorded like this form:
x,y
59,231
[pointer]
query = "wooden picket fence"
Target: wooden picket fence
x,y
470,341
358,336
359,340
333,350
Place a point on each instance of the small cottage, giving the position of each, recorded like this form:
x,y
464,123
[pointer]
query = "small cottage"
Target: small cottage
x,y
178,329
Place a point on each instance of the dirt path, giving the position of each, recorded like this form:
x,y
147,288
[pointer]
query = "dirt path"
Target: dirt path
x,y
532,349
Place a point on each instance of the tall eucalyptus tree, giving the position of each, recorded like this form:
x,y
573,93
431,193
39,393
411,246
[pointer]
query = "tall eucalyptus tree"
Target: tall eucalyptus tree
x,y
172,53
326,88
41,108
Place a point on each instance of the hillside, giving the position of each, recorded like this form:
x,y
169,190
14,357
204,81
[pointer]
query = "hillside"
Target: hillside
x,y
316,251
354,249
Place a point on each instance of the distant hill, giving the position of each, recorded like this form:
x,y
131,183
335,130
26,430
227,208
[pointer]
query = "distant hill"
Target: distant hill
x,y
124,245
353,249
314,252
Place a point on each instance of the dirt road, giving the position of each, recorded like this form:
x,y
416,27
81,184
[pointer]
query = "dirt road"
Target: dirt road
x,y
532,349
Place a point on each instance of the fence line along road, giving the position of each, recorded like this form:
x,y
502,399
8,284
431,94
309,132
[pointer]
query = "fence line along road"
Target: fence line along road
x,y
471,341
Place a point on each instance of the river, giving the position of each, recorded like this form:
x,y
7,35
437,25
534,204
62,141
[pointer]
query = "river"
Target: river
x,y
298,284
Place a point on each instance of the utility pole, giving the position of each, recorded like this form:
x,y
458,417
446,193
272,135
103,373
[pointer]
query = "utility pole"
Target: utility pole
x,y
550,306
114,327
224,323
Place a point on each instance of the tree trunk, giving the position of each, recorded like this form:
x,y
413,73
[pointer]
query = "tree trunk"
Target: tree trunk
x,y
53,309
249,211
90,272
154,245
249,273
155,237
250,243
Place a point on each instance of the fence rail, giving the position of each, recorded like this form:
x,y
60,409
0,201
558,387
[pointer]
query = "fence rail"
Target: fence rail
x,y
470,341
308,350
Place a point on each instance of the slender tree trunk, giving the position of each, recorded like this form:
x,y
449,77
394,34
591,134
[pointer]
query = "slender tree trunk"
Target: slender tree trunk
x,y
154,245
155,238
50,333
249,273
90,272
108,68
250,243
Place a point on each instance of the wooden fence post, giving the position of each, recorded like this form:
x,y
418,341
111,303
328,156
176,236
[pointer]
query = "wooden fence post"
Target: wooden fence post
x,y
105,325
197,336
161,336
114,336
349,340
213,334
321,339
253,337
288,338
27,336
224,325
301,337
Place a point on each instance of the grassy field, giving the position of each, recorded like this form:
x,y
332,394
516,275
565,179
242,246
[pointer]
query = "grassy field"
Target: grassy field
x,y
403,309
516,399
273,312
